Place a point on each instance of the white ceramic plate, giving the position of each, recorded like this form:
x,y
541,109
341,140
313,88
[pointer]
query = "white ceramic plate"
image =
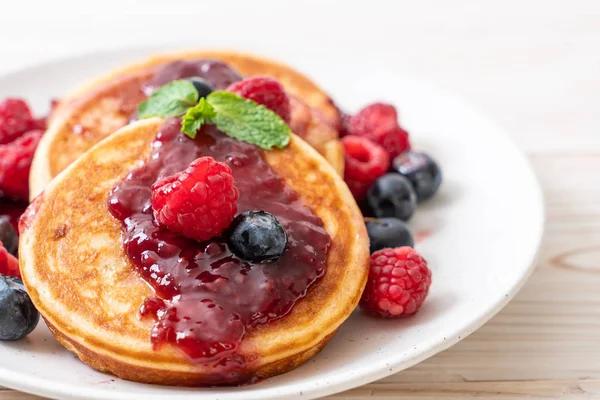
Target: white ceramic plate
x,y
484,229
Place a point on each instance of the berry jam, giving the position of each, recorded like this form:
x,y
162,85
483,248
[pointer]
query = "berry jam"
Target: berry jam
x,y
206,298
216,73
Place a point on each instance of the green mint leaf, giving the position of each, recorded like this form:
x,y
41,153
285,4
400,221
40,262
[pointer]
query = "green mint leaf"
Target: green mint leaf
x,y
171,100
196,116
249,121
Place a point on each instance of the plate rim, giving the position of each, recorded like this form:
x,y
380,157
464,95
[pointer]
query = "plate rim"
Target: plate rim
x,y
47,387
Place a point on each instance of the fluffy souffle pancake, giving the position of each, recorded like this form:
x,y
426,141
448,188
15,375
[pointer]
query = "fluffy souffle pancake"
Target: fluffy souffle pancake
x,y
79,277
108,103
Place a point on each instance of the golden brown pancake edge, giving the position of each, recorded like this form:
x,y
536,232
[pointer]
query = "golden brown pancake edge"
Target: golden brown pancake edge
x,y
78,276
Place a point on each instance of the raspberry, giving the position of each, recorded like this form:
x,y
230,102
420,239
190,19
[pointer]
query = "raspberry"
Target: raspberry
x,y
379,122
15,162
15,119
40,123
399,280
266,91
199,202
9,265
365,162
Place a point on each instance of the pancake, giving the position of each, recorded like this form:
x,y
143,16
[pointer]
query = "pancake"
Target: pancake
x,y
80,279
107,104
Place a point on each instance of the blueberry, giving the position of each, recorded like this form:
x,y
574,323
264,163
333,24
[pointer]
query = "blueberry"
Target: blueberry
x,y
18,316
201,86
388,232
257,236
8,235
422,171
391,195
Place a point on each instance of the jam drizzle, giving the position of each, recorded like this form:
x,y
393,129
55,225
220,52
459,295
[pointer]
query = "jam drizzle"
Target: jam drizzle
x,y
206,298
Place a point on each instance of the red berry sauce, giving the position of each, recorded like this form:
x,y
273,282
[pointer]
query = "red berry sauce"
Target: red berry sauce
x,y
216,73
206,298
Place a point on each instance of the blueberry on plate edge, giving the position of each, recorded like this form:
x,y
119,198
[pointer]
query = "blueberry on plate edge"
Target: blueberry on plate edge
x,y
18,316
421,170
388,232
391,196
257,237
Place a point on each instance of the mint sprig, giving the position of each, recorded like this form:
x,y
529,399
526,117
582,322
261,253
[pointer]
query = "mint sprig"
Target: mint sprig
x,y
249,121
171,100
196,116
237,117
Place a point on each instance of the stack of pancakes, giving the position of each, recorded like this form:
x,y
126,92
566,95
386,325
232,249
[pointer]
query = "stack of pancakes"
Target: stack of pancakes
x,y
103,106
72,259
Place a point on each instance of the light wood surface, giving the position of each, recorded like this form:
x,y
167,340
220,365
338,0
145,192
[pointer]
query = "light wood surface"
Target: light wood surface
x,y
533,67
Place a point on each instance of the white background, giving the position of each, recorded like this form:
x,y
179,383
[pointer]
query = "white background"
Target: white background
x,y
527,64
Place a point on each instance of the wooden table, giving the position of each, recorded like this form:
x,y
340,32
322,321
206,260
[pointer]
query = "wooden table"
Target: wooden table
x,y
533,67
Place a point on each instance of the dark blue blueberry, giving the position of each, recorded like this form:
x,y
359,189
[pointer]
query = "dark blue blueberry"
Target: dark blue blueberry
x,y
388,232
257,236
8,235
18,316
201,86
422,171
391,196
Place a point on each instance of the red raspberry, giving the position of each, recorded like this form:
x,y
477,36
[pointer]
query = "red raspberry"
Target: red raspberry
x,y
266,91
15,119
40,123
15,162
373,116
379,122
199,202
399,280
9,265
365,162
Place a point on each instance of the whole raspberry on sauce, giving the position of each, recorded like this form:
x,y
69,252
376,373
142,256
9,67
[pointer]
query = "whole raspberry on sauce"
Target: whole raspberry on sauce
x,y
266,91
15,163
199,202
379,122
15,119
399,280
9,265
365,162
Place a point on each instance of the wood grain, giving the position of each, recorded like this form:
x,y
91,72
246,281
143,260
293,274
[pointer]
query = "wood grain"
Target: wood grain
x,y
498,390
532,66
